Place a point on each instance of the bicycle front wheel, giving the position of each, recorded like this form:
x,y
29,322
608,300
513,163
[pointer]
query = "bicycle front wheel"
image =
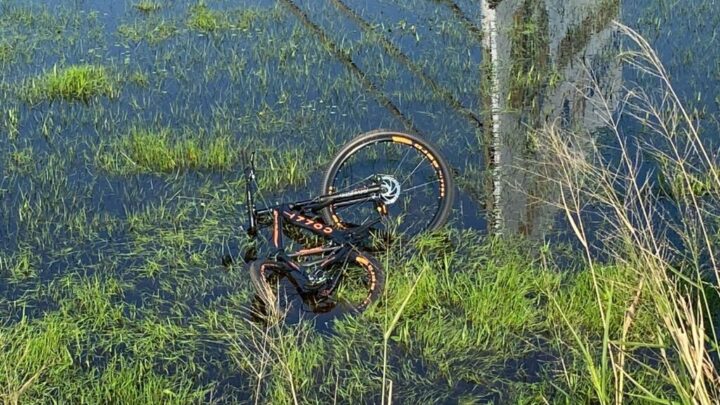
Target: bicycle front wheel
x,y
418,188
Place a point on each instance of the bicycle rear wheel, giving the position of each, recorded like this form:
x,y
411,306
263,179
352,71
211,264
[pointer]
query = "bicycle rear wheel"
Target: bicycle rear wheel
x,y
417,182
362,283
278,295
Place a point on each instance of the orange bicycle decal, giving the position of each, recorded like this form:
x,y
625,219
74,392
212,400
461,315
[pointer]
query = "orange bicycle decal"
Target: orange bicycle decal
x,y
401,139
276,229
308,222
310,251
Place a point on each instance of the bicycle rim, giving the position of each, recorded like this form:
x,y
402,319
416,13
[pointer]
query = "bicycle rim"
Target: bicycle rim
x,y
362,283
424,195
277,296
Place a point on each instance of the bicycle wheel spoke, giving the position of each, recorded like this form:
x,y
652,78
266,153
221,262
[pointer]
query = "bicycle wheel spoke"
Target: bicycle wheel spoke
x,y
383,158
420,185
346,188
407,152
414,170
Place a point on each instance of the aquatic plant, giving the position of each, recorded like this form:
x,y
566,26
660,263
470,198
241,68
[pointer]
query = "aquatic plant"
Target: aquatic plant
x,y
115,214
152,31
6,52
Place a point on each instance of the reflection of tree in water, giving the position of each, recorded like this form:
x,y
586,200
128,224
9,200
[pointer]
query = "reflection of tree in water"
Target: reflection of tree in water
x,y
529,57
541,59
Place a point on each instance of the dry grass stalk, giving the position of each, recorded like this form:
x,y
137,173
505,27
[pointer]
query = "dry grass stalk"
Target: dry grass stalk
x,y
638,238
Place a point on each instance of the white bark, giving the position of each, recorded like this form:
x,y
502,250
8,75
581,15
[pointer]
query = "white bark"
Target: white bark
x,y
489,20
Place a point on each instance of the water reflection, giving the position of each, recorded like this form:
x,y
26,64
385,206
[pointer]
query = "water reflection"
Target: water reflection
x,y
547,61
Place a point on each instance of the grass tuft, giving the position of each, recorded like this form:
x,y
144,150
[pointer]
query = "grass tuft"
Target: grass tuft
x,y
202,18
74,83
20,160
147,6
153,32
145,150
20,267
205,19
6,53
11,122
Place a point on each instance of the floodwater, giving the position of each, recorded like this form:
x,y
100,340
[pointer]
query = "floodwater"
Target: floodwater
x,y
294,80
407,65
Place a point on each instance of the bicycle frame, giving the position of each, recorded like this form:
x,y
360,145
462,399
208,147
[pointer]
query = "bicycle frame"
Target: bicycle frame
x,y
304,215
313,205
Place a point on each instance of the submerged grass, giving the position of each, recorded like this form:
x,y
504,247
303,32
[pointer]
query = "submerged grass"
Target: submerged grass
x,y
20,160
152,31
20,266
6,53
167,151
203,18
464,309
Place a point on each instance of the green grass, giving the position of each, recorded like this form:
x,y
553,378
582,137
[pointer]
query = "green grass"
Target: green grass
x,y
168,151
147,6
41,361
245,20
114,216
152,31
20,160
20,266
163,150
139,78
6,53
11,122
478,305
73,83
203,18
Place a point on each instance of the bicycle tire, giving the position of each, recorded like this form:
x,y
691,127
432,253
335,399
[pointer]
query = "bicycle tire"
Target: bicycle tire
x,y
272,303
409,144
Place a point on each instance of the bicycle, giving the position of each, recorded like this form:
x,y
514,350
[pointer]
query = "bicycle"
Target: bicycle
x,y
367,189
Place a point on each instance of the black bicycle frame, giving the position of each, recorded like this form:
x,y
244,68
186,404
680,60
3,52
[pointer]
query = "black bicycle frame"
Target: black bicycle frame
x,y
314,205
304,214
